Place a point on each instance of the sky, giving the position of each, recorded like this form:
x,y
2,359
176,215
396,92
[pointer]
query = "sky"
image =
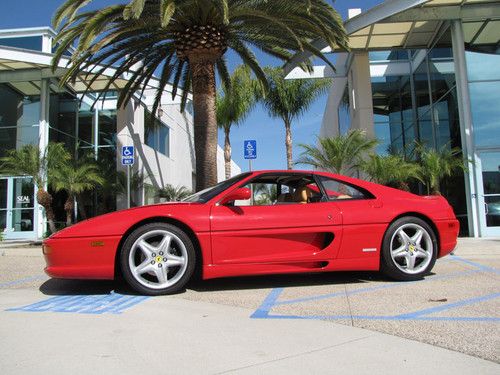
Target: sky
x,y
268,132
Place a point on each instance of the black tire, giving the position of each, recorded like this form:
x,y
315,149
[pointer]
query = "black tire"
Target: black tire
x,y
166,257
408,258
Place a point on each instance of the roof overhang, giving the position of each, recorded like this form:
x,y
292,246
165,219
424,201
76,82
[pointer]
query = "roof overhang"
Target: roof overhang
x,y
18,66
415,24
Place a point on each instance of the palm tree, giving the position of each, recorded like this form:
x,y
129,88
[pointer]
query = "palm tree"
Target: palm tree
x,y
172,193
342,154
186,40
438,164
75,178
391,170
39,165
289,99
233,105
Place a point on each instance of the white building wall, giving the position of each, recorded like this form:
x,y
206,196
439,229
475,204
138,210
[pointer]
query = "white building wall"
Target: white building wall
x,y
178,168
330,122
221,173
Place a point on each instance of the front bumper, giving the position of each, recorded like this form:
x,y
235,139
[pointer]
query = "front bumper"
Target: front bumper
x,y
81,258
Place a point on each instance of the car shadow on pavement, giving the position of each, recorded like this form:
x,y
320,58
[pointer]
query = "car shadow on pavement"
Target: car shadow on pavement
x,y
286,280
57,287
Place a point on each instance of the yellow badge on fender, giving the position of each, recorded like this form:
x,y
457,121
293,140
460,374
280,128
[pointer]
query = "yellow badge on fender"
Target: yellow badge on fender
x,y
97,243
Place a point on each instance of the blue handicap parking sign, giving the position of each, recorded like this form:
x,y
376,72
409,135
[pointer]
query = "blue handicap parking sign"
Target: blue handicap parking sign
x,y
250,149
128,155
128,151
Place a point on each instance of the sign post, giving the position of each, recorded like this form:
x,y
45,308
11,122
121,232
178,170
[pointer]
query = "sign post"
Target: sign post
x,y
128,160
250,151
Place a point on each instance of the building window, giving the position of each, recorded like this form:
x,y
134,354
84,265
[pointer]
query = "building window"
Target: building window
x,y
393,114
26,42
19,115
484,87
156,134
344,115
390,55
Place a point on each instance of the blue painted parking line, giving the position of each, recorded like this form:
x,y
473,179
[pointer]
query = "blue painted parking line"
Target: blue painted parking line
x,y
112,303
272,300
475,265
448,306
374,288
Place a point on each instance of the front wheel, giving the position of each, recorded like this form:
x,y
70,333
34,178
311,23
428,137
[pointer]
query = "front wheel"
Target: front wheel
x,y
157,258
409,249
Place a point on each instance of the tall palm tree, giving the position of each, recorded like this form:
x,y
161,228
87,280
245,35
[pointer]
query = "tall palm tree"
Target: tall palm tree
x,y
342,154
438,164
185,40
233,105
29,161
391,170
289,99
75,178
173,193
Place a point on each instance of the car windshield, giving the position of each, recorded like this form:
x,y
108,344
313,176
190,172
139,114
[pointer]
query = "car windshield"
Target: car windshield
x,y
207,194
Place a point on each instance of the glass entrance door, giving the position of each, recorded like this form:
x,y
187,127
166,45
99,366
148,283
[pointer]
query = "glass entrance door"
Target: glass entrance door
x,y
489,197
17,208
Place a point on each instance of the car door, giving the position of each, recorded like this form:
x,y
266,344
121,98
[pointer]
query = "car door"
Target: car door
x,y
275,232
363,225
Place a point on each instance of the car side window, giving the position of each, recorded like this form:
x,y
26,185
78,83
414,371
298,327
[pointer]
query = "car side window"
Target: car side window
x,y
337,190
281,190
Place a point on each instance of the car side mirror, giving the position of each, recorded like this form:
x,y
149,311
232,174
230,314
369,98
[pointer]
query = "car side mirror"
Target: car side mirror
x,y
238,194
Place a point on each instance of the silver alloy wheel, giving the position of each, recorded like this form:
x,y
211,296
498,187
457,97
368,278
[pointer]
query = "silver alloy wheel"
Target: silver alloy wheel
x,y
411,248
158,259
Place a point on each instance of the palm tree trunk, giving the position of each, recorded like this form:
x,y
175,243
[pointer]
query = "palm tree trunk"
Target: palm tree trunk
x,y
69,206
205,122
81,208
227,152
44,199
288,144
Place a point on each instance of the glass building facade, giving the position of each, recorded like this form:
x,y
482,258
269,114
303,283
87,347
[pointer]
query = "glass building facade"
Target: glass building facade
x,y
420,108
85,131
427,73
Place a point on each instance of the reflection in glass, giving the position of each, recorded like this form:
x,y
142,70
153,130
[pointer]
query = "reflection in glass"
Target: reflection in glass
x,y
492,211
26,42
485,108
19,116
22,220
490,164
107,127
24,192
3,219
482,66
393,112
344,115
3,193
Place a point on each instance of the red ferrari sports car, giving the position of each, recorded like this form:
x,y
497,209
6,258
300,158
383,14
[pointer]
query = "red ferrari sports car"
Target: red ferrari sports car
x,y
256,223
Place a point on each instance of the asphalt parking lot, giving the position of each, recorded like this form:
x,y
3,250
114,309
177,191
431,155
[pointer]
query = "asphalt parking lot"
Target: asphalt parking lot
x,y
457,307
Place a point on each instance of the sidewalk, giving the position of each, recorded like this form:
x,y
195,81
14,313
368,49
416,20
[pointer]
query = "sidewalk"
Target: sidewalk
x,y
172,335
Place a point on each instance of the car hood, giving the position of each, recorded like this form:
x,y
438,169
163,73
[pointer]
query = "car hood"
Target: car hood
x,y
117,223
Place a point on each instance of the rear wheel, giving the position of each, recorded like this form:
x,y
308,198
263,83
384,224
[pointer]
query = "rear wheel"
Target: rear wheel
x,y
409,249
157,259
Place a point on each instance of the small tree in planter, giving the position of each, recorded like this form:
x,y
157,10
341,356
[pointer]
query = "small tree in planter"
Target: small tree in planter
x,y
173,194
29,161
435,165
391,170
